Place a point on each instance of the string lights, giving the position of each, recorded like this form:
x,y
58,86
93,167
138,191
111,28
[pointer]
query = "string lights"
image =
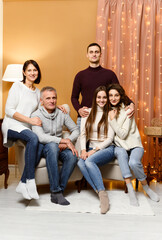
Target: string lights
x,y
134,35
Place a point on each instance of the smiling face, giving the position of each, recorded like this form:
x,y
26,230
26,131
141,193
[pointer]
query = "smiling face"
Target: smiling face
x,y
31,73
94,55
114,97
101,99
49,100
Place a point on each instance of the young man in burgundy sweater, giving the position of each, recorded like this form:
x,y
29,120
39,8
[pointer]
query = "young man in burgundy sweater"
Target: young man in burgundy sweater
x,y
86,82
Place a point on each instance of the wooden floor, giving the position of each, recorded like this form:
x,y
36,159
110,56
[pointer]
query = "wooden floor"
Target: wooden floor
x,y
18,224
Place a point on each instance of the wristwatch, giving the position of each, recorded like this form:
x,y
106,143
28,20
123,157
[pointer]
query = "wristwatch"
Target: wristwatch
x,y
95,149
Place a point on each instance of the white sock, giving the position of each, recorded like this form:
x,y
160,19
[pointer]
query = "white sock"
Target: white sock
x,y
151,193
32,189
132,195
21,188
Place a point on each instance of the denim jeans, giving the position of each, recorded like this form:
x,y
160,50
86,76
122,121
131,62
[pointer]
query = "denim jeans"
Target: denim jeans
x,y
130,160
58,179
90,167
32,152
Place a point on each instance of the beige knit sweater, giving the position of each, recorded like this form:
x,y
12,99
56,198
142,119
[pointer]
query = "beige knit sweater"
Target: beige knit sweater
x,y
126,132
103,141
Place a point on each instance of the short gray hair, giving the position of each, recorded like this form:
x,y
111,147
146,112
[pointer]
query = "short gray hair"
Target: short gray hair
x,y
47,88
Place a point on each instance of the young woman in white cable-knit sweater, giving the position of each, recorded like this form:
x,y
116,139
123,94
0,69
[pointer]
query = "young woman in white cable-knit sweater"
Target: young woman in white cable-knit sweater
x,y
129,150
97,131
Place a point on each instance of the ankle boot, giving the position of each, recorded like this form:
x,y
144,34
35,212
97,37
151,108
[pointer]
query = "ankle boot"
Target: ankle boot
x,y
104,201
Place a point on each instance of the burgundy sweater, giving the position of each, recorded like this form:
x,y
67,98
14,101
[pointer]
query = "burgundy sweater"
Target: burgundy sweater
x,y
87,81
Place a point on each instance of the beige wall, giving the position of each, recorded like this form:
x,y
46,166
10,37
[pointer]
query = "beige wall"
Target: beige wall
x,y
55,34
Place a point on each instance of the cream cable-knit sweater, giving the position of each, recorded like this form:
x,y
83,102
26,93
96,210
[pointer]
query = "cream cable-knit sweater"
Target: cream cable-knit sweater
x,y
100,143
23,100
126,132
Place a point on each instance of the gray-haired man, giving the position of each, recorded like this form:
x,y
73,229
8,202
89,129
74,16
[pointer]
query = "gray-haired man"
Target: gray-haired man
x,y
55,147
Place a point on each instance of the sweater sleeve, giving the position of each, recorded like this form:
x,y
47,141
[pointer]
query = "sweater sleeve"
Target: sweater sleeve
x,y
123,130
75,93
108,141
83,138
73,128
12,100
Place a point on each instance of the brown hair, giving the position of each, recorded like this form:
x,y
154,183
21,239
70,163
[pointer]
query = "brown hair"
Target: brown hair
x,y
35,64
123,97
92,116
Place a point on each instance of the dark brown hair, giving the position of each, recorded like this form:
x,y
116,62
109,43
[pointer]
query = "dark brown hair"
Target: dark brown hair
x,y
123,97
92,116
94,44
35,64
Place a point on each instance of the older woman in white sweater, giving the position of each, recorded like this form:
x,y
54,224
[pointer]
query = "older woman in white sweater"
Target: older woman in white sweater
x,y
23,99
98,133
129,150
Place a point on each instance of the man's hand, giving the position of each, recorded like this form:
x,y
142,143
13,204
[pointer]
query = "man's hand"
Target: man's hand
x,y
62,146
35,121
62,108
83,112
84,154
69,145
132,110
112,114
72,148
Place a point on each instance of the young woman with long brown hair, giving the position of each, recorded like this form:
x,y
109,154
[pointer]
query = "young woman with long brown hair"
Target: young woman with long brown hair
x,y
129,150
95,130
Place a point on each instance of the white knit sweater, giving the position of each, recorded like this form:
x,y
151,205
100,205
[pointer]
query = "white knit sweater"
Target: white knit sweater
x,y
23,100
103,141
126,132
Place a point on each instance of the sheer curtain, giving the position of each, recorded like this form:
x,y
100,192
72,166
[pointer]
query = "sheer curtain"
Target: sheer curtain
x,y
130,34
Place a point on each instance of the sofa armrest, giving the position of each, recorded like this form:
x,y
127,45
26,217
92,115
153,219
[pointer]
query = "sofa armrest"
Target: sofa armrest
x,y
20,143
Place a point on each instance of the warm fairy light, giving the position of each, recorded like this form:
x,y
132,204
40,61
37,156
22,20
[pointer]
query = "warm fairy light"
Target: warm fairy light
x,y
148,9
128,62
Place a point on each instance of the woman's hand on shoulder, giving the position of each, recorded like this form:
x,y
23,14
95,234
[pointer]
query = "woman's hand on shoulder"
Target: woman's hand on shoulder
x,y
35,121
131,111
112,114
62,108
84,154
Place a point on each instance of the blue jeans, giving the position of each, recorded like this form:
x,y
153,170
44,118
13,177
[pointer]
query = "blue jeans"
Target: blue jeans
x,y
58,180
130,159
90,167
32,152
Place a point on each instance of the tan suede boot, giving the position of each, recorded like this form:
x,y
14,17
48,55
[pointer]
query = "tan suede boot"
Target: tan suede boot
x,y
104,201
